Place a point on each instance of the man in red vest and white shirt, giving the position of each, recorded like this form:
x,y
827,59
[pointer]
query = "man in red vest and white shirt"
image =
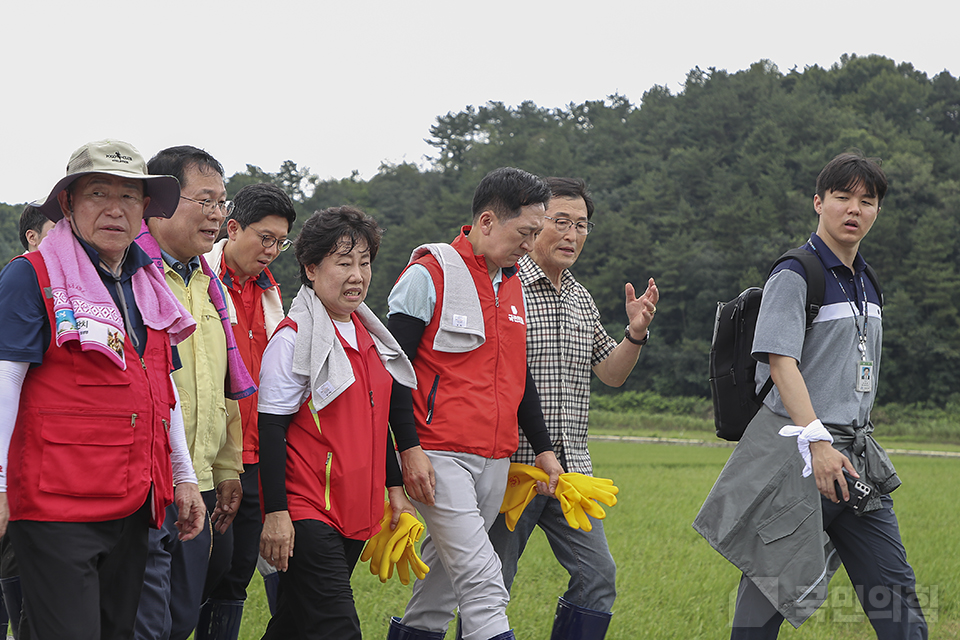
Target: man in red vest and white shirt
x,y
88,413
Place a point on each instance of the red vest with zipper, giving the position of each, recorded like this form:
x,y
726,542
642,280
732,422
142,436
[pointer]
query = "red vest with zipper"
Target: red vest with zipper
x,y
336,457
91,441
467,402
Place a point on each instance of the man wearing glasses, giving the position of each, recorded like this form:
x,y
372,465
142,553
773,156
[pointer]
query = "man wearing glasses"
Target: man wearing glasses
x,y
211,380
261,218
565,341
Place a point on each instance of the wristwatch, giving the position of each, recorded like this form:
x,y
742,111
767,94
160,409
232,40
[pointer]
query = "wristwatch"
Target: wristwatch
x,y
639,343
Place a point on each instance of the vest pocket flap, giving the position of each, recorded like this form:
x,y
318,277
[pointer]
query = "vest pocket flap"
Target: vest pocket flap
x,y
784,522
87,455
92,430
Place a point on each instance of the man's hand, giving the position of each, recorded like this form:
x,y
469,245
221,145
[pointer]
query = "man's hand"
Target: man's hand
x,y
828,466
190,510
549,463
418,475
399,503
276,539
4,513
640,311
229,493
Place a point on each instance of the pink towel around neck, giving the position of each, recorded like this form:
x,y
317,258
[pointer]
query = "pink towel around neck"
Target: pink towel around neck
x,y
239,383
85,311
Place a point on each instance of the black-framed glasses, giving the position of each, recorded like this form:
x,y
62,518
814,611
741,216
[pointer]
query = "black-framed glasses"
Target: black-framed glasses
x,y
207,205
268,241
563,225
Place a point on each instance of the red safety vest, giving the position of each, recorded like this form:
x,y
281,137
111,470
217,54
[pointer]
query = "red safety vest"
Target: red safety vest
x,y
467,402
336,457
92,441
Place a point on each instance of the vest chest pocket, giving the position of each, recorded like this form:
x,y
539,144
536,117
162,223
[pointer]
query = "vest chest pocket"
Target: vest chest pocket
x,y
86,455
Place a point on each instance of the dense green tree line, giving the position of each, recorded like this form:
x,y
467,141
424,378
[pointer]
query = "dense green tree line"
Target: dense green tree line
x,y
702,189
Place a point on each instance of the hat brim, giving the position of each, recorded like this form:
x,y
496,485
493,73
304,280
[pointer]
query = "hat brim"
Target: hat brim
x,y
163,191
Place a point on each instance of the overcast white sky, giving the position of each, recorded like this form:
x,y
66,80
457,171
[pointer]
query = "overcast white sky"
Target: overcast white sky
x,y
339,86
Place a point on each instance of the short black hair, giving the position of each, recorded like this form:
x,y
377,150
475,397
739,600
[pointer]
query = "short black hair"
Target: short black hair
x,y
323,232
506,190
850,170
31,219
255,202
571,188
174,161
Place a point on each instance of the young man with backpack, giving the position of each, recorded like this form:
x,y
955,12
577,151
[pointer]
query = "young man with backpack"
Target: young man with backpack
x,y
813,435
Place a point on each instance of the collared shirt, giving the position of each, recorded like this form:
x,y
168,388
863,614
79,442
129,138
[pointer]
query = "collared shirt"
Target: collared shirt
x,y
211,421
185,271
565,340
827,354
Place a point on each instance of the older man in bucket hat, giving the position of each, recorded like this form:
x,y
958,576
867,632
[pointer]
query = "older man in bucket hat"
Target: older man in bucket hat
x,y
91,440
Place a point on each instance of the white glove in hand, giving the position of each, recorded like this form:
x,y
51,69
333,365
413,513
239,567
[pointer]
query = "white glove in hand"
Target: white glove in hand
x,y
813,432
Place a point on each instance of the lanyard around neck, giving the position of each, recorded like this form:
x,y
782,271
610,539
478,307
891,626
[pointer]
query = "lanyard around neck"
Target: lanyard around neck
x,y
861,335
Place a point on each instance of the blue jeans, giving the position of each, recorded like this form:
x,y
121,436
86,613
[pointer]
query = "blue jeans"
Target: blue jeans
x,y
584,554
874,557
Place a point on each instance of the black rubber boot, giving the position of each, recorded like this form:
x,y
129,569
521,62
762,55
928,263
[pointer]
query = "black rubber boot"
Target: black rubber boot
x,y
271,586
219,620
12,601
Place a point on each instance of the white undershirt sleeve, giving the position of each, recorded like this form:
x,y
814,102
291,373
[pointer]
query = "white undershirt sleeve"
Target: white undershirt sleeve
x,y
281,390
179,452
12,375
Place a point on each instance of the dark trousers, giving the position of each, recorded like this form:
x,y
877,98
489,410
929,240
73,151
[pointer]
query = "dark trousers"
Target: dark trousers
x,y
175,576
875,559
245,530
82,579
12,594
316,601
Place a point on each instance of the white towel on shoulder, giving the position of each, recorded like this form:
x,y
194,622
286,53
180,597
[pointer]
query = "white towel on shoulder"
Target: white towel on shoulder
x,y
461,318
319,355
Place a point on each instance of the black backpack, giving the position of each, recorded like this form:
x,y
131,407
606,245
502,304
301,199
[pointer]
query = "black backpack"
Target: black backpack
x,y
732,367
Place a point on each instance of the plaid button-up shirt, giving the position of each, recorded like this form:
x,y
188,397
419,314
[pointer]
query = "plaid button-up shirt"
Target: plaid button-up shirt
x,y
565,339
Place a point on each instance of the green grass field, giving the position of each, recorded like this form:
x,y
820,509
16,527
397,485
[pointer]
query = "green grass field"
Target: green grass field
x,y
671,584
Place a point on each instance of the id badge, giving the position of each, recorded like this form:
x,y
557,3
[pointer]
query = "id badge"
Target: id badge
x,y
865,376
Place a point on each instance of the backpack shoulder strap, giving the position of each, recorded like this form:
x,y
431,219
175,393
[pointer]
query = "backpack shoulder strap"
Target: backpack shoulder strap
x,y
872,275
814,276
815,289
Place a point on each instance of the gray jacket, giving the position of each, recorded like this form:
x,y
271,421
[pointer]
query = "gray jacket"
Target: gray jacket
x,y
765,518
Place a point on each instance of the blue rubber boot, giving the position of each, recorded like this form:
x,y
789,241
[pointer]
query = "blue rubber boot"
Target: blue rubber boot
x,y
579,623
219,620
399,631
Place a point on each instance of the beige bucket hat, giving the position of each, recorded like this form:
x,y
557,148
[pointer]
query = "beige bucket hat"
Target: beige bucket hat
x,y
115,158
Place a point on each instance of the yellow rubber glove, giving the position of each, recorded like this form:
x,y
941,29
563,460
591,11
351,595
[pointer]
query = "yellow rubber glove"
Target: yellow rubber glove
x,y
570,503
389,547
410,560
578,495
599,489
396,543
375,546
521,489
